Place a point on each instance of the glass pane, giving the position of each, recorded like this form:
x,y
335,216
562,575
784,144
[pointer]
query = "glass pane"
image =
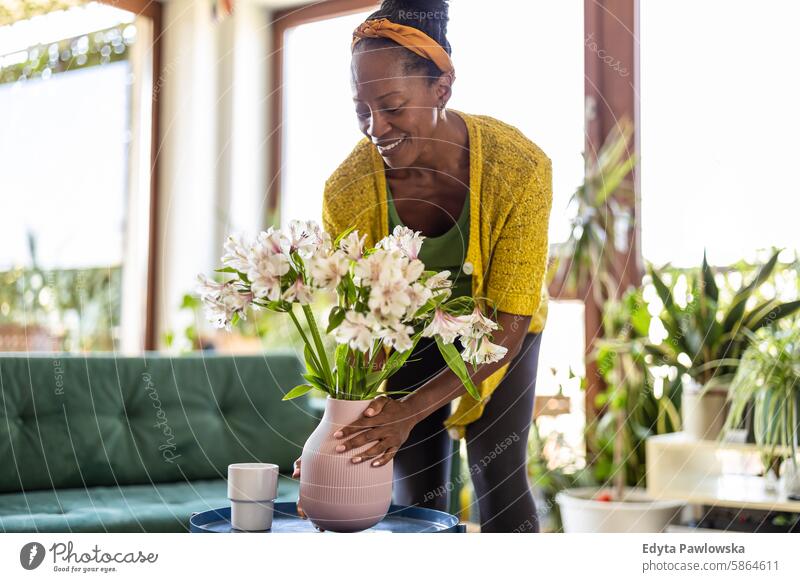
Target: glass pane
x,y
719,123
65,104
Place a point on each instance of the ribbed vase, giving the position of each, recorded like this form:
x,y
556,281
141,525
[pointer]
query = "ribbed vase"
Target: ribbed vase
x,y
337,494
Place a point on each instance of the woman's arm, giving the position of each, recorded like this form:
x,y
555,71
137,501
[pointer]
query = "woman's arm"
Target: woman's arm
x,y
389,421
446,386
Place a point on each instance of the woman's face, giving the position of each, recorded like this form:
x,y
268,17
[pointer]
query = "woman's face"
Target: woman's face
x,y
397,112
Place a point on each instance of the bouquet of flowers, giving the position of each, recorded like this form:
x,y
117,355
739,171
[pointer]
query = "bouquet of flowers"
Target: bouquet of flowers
x,y
385,298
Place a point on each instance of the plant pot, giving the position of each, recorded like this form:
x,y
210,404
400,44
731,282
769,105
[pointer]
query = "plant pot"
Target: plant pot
x,y
337,494
790,478
703,411
637,513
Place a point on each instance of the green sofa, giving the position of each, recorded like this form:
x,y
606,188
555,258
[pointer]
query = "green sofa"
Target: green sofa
x,y
100,443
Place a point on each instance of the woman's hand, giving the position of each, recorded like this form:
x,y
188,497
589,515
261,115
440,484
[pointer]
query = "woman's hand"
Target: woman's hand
x,y
385,420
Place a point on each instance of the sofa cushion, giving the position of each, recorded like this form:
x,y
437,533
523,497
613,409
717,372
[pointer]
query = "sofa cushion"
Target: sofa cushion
x,y
102,420
159,507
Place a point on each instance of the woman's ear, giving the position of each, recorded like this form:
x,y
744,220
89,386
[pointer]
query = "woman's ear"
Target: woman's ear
x,y
443,88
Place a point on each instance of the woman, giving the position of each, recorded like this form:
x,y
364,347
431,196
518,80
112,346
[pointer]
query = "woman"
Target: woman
x,y
481,193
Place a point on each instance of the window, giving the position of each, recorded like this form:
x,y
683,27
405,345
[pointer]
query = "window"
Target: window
x,y
75,99
719,122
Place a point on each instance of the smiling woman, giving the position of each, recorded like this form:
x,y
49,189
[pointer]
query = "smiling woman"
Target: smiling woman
x,y
480,192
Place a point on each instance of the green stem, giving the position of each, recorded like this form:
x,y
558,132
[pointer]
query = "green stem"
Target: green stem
x,y
303,335
312,324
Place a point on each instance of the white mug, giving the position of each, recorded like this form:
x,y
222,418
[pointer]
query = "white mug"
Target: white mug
x,y
252,489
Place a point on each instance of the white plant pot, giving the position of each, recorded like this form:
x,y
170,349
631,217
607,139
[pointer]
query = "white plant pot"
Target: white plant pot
x,y
703,414
790,478
638,513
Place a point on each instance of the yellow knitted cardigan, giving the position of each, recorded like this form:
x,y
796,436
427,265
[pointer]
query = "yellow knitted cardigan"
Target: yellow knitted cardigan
x,y
510,189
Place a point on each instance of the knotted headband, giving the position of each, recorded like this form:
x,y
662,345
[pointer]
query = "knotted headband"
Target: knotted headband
x,y
411,38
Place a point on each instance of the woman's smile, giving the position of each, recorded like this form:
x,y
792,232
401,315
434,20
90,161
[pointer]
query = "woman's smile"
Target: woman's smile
x,y
389,147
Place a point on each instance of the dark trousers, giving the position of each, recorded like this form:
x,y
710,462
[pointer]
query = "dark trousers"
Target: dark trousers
x,y
496,443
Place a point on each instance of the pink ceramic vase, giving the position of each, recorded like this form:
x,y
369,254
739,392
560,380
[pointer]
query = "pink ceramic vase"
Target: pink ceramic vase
x,y
337,494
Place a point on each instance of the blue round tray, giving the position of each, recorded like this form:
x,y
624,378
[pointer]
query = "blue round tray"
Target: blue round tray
x,y
399,519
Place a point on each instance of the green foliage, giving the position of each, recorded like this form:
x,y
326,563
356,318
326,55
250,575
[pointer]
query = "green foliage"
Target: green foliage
x,y
80,308
635,410
706,335
601,204
768,378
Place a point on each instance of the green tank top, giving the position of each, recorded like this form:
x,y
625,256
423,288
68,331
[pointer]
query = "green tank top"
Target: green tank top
x,y
445,252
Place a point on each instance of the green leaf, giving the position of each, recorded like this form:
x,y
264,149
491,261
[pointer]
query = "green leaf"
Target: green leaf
x,y
453,359
336,317
297,391
316,381
311,361
710,286
343,235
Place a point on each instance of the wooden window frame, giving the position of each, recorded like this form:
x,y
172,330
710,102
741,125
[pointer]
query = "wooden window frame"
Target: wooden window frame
x,y
154,11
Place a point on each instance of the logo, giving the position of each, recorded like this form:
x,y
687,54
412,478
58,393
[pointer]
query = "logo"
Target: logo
x,y
31,555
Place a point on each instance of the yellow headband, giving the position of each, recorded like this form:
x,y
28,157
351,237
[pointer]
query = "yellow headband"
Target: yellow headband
x,y
411,38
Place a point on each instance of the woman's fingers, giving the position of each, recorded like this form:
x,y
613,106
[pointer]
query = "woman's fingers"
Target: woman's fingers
x,y
375,450
362,438
296,472
387,456
376,406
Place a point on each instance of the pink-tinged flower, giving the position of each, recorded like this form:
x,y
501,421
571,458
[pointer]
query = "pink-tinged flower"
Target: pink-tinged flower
x,y
356,330
298,292
447,326
271,242
409,242
265,285
327,272
440,280
305,237
353,246
381,267
237,253
418,295
222,301
389,301
413,269
398,336
481,325
479,350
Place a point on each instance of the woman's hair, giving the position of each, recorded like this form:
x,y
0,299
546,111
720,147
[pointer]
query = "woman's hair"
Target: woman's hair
x,y
429,16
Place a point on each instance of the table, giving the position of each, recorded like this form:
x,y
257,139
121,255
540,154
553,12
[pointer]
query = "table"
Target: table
x,y
399,519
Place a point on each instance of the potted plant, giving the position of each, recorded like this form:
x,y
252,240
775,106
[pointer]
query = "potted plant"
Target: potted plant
x,y
634,413
706,336
768,377
385,300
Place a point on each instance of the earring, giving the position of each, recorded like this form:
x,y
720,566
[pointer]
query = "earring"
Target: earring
x,y
441,113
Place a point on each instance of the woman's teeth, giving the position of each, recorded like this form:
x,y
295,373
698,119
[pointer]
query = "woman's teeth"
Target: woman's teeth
x,y
391,146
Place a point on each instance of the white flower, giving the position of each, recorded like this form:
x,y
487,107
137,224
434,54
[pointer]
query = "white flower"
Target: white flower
x,y
353,246
356,330
440,284
479,350
237,253
222,301
418,295
447,326
298,292
379,267
398,336
265,285
404,239
389,300
481,325
326,272
413,269
305,237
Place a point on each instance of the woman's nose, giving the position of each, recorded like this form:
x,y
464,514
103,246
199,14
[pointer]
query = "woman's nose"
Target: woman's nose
x,y
377,126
